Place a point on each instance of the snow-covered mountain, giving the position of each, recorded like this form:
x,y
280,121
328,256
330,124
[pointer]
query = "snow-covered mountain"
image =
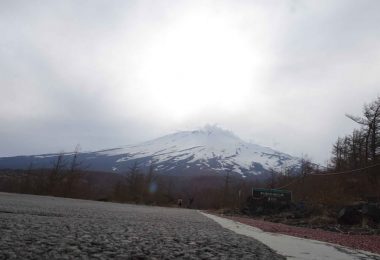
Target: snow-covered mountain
x,y
210,149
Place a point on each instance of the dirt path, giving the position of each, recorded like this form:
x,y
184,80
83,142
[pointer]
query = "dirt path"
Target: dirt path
x,y
294,247
369,243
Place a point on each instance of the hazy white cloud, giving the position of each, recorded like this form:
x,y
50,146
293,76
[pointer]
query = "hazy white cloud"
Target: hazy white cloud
x,y
107,73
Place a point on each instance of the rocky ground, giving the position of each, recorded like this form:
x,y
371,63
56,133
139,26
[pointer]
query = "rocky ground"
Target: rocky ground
x,y
49,228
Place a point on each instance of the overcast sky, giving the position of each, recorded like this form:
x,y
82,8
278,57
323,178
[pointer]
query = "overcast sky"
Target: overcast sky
x,y
108,73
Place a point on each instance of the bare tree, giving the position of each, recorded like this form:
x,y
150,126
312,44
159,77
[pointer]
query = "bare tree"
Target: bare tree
x,y
73,175
75,163
272,178
306,166
56,173
226,189
134,183
371,125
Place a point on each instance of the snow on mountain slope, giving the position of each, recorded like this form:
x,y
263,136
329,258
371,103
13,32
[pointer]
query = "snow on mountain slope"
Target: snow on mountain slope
x,y
210,148
189,152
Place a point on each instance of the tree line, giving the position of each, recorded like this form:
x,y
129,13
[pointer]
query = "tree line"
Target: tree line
x,y
361,148
353,173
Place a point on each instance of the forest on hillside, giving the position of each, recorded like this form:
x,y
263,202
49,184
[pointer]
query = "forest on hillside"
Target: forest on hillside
x,y
353,173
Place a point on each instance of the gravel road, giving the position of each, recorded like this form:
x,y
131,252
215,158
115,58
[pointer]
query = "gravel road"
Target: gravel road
x,y
49,228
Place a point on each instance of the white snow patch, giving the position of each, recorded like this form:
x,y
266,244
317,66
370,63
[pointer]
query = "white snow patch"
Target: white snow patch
x,y
46,156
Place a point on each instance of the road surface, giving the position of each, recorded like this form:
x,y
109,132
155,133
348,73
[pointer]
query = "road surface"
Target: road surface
x,y
49,228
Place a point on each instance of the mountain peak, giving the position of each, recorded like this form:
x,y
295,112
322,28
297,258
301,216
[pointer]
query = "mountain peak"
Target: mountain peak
x,y
217,130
